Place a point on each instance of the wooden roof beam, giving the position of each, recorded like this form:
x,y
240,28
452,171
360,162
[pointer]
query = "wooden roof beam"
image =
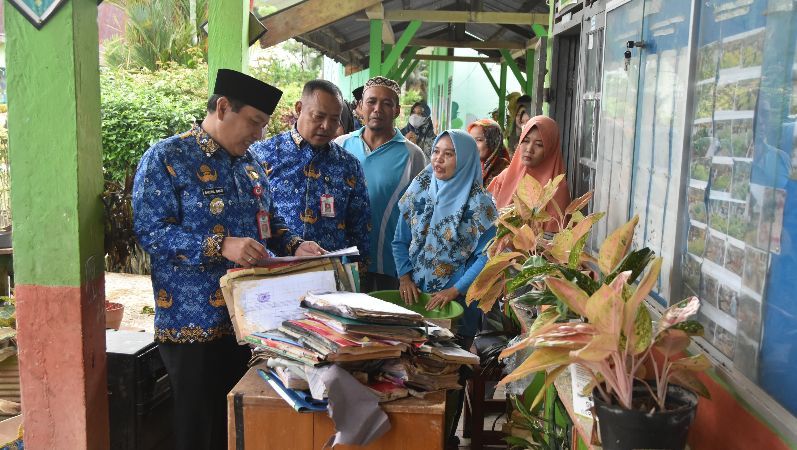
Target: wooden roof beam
x,y
450,16
378,12
457,58
476,45
308,16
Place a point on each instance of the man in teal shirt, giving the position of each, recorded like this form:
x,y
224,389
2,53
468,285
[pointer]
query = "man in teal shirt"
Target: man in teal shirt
x,y
390,162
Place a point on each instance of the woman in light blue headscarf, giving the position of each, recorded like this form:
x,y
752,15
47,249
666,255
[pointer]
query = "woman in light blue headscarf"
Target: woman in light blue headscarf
x,y
446,222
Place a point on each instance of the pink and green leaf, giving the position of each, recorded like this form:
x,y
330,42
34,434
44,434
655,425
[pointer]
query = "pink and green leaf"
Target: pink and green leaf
x,y
529,191
524,239
616,245
672,342
569,293
550,377
694,363
605,307
642,333
598,349
678,313
489,276
689,381
561,245
540,359
643,289
578,203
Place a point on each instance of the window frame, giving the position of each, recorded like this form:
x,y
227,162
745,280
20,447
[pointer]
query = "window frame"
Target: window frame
x,y
751,395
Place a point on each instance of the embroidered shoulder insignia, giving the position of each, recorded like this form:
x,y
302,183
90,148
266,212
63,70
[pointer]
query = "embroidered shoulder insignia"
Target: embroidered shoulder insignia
x,y
268,169
206,174
164,299
311,172
308,216
217,299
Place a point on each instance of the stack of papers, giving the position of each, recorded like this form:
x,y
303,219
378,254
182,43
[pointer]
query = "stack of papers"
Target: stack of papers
x,y
386,347
362,307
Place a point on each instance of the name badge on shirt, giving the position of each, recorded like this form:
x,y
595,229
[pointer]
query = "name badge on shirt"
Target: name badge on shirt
x,y
263,225
327,206
212,192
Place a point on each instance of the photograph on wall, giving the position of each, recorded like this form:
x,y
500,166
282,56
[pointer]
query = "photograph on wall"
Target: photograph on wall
x,y
748,313
721,176
696,243
734,259
724,340
741,180
756,263
726,300
691,272
718,215
709,290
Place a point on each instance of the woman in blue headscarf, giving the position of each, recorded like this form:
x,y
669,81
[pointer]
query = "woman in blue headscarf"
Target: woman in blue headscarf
x,y
446,222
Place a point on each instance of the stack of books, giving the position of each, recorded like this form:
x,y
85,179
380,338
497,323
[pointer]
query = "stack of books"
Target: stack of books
x,y
390,349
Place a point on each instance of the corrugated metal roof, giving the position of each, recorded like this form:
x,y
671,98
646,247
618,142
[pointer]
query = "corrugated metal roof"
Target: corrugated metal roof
x,y
347,40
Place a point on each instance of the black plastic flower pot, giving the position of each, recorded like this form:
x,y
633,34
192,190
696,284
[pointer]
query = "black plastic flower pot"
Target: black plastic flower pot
x,y
625,429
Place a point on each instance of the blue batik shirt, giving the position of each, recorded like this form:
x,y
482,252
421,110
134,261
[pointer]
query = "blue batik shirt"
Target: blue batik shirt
x,y
188,194
300,174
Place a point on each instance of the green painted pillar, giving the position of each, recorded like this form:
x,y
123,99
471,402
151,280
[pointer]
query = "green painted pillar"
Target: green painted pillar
x,y
228,37
530,74
375,55
502,97
56,182
548,53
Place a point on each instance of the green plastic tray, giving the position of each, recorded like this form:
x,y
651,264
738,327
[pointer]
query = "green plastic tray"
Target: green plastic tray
x,y
452,310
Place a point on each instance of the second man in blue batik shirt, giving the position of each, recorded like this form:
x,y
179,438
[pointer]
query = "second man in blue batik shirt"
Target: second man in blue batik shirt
x,y
318,188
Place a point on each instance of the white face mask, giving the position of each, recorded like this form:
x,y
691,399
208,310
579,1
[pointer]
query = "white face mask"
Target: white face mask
x,y
416,120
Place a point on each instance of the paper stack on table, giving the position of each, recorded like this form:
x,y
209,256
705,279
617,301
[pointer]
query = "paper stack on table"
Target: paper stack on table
x,y
388,348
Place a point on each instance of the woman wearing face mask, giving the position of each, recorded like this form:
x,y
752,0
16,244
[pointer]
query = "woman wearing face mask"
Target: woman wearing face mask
x,y
420,129
538,154
490,142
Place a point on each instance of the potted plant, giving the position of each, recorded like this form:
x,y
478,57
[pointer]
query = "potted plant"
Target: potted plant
x,y
640,402
521,252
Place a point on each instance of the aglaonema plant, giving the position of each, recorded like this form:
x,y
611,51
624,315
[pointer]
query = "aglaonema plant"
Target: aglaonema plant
x,y
617,339
521,252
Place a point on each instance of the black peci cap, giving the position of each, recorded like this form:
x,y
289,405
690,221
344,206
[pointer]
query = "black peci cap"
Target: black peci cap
x,y
358,93
247,90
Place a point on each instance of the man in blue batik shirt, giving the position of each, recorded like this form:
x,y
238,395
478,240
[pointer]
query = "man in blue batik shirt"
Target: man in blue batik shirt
x,y
318,187
201,205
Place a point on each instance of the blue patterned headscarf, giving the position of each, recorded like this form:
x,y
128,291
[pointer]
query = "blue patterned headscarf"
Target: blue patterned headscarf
x,y
446,218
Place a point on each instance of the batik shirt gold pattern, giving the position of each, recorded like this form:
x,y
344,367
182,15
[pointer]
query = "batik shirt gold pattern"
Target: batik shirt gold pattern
x,y
189,194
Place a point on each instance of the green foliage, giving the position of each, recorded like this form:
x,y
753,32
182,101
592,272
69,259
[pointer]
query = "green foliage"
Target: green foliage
x,y
8,312
616,339
409,97
5,180
697,211
158,32
289,74
141,107
699,171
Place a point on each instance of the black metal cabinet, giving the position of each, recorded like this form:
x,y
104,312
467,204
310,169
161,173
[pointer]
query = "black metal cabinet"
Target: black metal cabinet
x,y
139,393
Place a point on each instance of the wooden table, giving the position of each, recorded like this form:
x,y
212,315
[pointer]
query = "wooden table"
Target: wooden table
x,y
260,420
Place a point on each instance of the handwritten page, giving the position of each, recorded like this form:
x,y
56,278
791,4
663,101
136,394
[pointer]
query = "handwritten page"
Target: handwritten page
x,y
263,304
350,251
